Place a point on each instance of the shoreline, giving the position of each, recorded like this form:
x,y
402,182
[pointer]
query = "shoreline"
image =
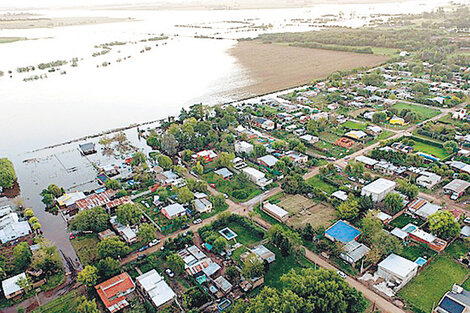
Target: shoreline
x,y
44,22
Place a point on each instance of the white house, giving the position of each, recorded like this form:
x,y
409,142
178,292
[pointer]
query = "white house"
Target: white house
x,y
11,228
264,253
243,147
256,176
173,210
428,180
309,139
397,269
378,189
202,205
10,286
155,289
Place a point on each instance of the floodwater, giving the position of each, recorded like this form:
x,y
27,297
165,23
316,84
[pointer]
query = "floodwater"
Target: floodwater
x,y
150,85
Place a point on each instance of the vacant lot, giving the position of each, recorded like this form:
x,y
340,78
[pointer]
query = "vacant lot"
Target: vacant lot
x,y
86,248
430,149
303,210
426,289
238,188
275,67
423,112
354,125
317,182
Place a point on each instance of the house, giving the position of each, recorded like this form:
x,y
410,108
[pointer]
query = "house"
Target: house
x,y
11,228
353,251
375,130
319,116
263,123
428,239
205,156
427,210
224,172
460,166
256,176
428,180
275,211
202,205
223,284
10,286
368,162
125,231
166,178
340,195
456,188
343,232
238,163
309,139
155,289
297,157
67,200
356,134
87,148
267,161
465,231
173,210
94,200
397,121
455,301
460,114
369,115
398,270
264,253
113,204
106,234
243,147
378,189
113,292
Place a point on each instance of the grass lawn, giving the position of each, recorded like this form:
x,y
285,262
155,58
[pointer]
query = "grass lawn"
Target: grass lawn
x,y
237,188
404,219
414,250
245,236
434,281
354,125
316,181
466,284
426,148
423,112
86,247
62,304
282,266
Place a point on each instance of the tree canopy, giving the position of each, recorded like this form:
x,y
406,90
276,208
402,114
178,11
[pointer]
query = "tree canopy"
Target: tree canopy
x,y
7,173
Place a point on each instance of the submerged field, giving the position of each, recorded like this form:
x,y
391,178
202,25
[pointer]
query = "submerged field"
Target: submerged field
x,y
277,67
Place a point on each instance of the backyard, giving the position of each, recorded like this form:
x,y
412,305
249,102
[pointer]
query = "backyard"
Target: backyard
x,y
86,248
426,289
65,303
423,112
430,149
238,188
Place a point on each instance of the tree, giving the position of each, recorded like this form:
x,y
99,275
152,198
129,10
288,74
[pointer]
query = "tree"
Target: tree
x,y
295,184
185,195
218,201
128,214
153,141
284,239
113,184
28,213
37,226
165,161
253,267
365,203
82,305
7,173
379,117
22,256
108,267
225,159
47,258
146,233
88,276
354,169
451,147
138,159
194,298
169,144
348,209
393,202
373,79
443,224
112,247
199,168
95,219
259,150
233,275
175,263
408,189
219,244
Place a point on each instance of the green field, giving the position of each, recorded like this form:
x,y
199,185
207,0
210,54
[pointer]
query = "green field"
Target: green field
x,y
423,112
245,236
237,188
426,289
86,248
426,148
317,182
354,125
60,305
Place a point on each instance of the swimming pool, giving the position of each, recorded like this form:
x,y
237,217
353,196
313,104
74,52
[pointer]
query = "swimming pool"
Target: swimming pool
x,y
421,261
227,233
409,228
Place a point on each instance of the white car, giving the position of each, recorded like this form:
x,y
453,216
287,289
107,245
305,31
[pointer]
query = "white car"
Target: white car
x,y
197,221
341,274
170,273
154,242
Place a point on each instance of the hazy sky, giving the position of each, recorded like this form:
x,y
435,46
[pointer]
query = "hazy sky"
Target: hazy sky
x,y
74,3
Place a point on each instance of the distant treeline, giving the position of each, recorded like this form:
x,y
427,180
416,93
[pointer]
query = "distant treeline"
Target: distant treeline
x,y
316,45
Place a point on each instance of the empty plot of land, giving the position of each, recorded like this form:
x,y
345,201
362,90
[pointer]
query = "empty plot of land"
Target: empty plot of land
x,y
303,210
276,67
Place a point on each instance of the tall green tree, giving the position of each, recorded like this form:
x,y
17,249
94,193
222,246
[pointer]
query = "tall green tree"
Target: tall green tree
x,y
22,256
88,276
112,247
147,233
175,263
443,224
95,219
393,203
128,214
7,173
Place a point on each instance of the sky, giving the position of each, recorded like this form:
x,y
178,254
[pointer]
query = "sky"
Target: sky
x,y
5,4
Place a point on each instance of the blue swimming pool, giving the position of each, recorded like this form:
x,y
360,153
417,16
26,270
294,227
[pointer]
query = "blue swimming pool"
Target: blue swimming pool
x,y
421,261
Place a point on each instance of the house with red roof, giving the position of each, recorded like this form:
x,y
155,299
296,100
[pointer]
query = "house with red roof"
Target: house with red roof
x,y
113,292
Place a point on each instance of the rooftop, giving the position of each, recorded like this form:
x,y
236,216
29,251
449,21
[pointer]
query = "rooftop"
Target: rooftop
x,y
342,232
379,185
398,265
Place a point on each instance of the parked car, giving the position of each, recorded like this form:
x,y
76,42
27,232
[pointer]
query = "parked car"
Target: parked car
x,y
467,220
341,274
185,226
154,242
141,257
226,196
169,273
197,221
143,248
